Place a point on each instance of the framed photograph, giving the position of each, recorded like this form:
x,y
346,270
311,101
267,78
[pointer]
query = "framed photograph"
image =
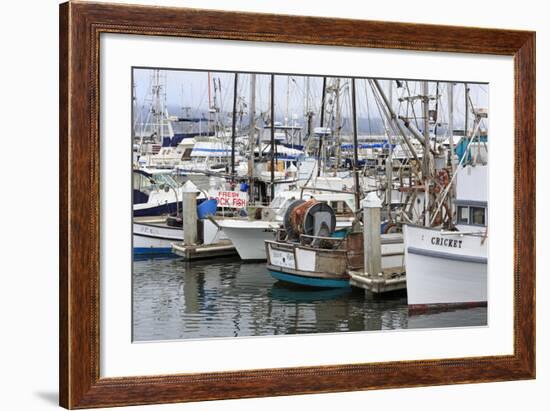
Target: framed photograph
x,y
259,205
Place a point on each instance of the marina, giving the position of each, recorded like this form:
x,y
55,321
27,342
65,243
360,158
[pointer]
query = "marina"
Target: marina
x,y
173,300
272,204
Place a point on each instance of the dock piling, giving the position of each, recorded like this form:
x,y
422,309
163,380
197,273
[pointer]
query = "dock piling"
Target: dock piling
x,y
371,234
189,202
373,277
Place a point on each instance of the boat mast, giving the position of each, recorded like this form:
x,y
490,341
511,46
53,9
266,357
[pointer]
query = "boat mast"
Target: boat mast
x,y
209,101
450,131
158,105
287,99
355,156
251,136
426,154
322,126
135,115
272,107
233,127
338,126
308,112
389,158
466,91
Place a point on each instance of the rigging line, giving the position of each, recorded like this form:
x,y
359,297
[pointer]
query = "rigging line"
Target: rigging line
x,y
407,150
369,121
446,191
412,104
436,113
386,114
387,125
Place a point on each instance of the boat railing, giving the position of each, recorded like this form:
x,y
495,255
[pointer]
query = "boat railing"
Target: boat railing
x,y
321,242
280,235
333,243
465,233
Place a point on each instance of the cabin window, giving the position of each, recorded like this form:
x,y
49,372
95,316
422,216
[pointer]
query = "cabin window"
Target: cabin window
x,y
463,215
187,154
337,206
143,183
477,215
165,179
278,203
471,215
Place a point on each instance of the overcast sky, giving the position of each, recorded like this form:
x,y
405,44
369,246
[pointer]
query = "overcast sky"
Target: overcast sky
x,y
186,88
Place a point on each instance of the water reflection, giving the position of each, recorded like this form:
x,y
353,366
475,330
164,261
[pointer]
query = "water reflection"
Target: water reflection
x,y
227,298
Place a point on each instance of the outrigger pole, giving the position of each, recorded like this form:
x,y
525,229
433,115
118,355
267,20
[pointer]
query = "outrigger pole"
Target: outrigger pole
x,y
393,119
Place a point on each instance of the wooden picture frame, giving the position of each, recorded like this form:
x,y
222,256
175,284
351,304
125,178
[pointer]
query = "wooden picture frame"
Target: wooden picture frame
x,y
81,25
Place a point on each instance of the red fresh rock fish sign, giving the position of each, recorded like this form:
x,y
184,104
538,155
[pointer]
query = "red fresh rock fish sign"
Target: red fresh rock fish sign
x,y
233,199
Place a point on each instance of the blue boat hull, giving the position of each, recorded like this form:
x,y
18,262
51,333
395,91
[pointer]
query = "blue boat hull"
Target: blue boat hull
x,y
162,209
311,281
142,251
159,210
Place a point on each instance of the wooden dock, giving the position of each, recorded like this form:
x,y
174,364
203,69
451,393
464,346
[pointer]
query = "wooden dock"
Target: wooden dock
x,y
224,248
389,279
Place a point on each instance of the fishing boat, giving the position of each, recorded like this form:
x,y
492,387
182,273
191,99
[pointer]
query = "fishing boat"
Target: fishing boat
x,y
155,193
449,267
305,253
208,155
155,235
248,235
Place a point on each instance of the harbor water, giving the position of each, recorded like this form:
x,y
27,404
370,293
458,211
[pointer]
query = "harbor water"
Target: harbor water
x,y
173,300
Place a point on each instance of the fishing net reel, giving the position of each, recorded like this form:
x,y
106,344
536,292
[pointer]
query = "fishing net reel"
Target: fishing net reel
x,y
310,218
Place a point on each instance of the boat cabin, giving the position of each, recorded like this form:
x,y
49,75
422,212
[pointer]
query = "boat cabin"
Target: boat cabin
x,y
471,214
145,183
471,196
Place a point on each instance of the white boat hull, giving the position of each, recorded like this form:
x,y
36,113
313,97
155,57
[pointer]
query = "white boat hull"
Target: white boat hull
x,y
151,238
249,237
155,237
307,266
445,269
